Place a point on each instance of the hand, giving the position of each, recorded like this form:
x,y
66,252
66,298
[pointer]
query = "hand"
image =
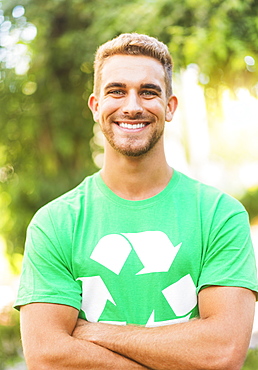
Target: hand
x,y
79,330
89,331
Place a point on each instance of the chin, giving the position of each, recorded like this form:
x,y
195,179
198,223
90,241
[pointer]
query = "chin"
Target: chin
x,y
134,152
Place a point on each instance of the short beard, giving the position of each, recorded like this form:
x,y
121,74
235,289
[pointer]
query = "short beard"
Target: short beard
x,y
129,150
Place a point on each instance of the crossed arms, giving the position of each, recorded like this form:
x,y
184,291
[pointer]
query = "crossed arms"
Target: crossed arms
x,y
54,338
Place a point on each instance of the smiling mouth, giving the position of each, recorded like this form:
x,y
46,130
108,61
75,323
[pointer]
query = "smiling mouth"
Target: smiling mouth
x,y
132,126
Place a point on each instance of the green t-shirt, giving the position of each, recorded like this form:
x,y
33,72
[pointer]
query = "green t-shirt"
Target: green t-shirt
x,y
136,262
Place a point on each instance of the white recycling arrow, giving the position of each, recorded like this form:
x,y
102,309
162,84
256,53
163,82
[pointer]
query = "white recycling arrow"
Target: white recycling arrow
x,y
154,249
121,323
181,295
112,252
95,295
152,323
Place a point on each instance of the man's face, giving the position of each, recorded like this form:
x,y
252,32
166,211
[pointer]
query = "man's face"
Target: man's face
x,y
132,107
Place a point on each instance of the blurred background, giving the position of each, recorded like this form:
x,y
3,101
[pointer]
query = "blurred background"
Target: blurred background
x,y
49,142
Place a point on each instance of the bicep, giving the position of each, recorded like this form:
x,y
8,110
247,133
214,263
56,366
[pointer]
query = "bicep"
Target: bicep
x,y
43,323
232,308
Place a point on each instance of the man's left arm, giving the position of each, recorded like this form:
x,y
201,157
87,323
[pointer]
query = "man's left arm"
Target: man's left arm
x,y
218,340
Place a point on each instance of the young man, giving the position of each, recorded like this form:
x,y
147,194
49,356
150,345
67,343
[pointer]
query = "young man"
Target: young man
x,y
137,247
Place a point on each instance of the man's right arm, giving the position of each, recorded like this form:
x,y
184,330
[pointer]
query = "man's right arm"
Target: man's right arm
x,y
46,330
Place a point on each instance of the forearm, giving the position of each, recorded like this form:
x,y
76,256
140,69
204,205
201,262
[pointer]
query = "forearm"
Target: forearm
x,y
217,341
157,348
196,345
188,346
66,352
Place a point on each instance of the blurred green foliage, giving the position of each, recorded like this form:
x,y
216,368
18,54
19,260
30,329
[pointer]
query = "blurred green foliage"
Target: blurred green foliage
x,y
45,126
10,342
250,202
251,362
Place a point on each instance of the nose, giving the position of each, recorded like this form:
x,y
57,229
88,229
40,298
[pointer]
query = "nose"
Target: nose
x,y
132,104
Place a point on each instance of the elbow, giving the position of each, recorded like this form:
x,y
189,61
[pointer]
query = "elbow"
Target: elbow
x,y
34,362
235,357
44,358
229,357
39,361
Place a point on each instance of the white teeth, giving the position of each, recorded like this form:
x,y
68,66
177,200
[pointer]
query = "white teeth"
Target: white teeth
x,y
129,125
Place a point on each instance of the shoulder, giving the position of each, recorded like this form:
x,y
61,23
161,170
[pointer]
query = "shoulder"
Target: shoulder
x,y
209,197
68,205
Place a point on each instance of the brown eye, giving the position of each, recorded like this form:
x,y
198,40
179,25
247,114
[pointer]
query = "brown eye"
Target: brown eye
x,y
149,93
116,92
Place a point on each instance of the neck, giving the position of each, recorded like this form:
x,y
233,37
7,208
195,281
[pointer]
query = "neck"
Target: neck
x,y
136,178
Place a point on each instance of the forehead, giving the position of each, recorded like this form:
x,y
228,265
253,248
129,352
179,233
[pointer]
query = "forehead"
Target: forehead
x,y
132,69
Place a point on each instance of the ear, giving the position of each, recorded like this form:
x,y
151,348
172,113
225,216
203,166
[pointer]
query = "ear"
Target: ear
x,y
93,105
171,107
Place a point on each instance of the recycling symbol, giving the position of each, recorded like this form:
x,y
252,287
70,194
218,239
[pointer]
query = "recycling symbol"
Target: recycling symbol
x,y
156,253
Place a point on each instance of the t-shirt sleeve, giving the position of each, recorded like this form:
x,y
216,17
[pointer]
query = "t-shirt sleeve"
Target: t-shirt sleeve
x,y
229,257
47,266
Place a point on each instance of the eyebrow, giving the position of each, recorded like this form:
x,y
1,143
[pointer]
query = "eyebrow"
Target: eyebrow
x,y
143,86
115,84
152,87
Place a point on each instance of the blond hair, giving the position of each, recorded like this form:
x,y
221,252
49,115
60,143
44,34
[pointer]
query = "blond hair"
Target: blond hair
x,y
134,44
